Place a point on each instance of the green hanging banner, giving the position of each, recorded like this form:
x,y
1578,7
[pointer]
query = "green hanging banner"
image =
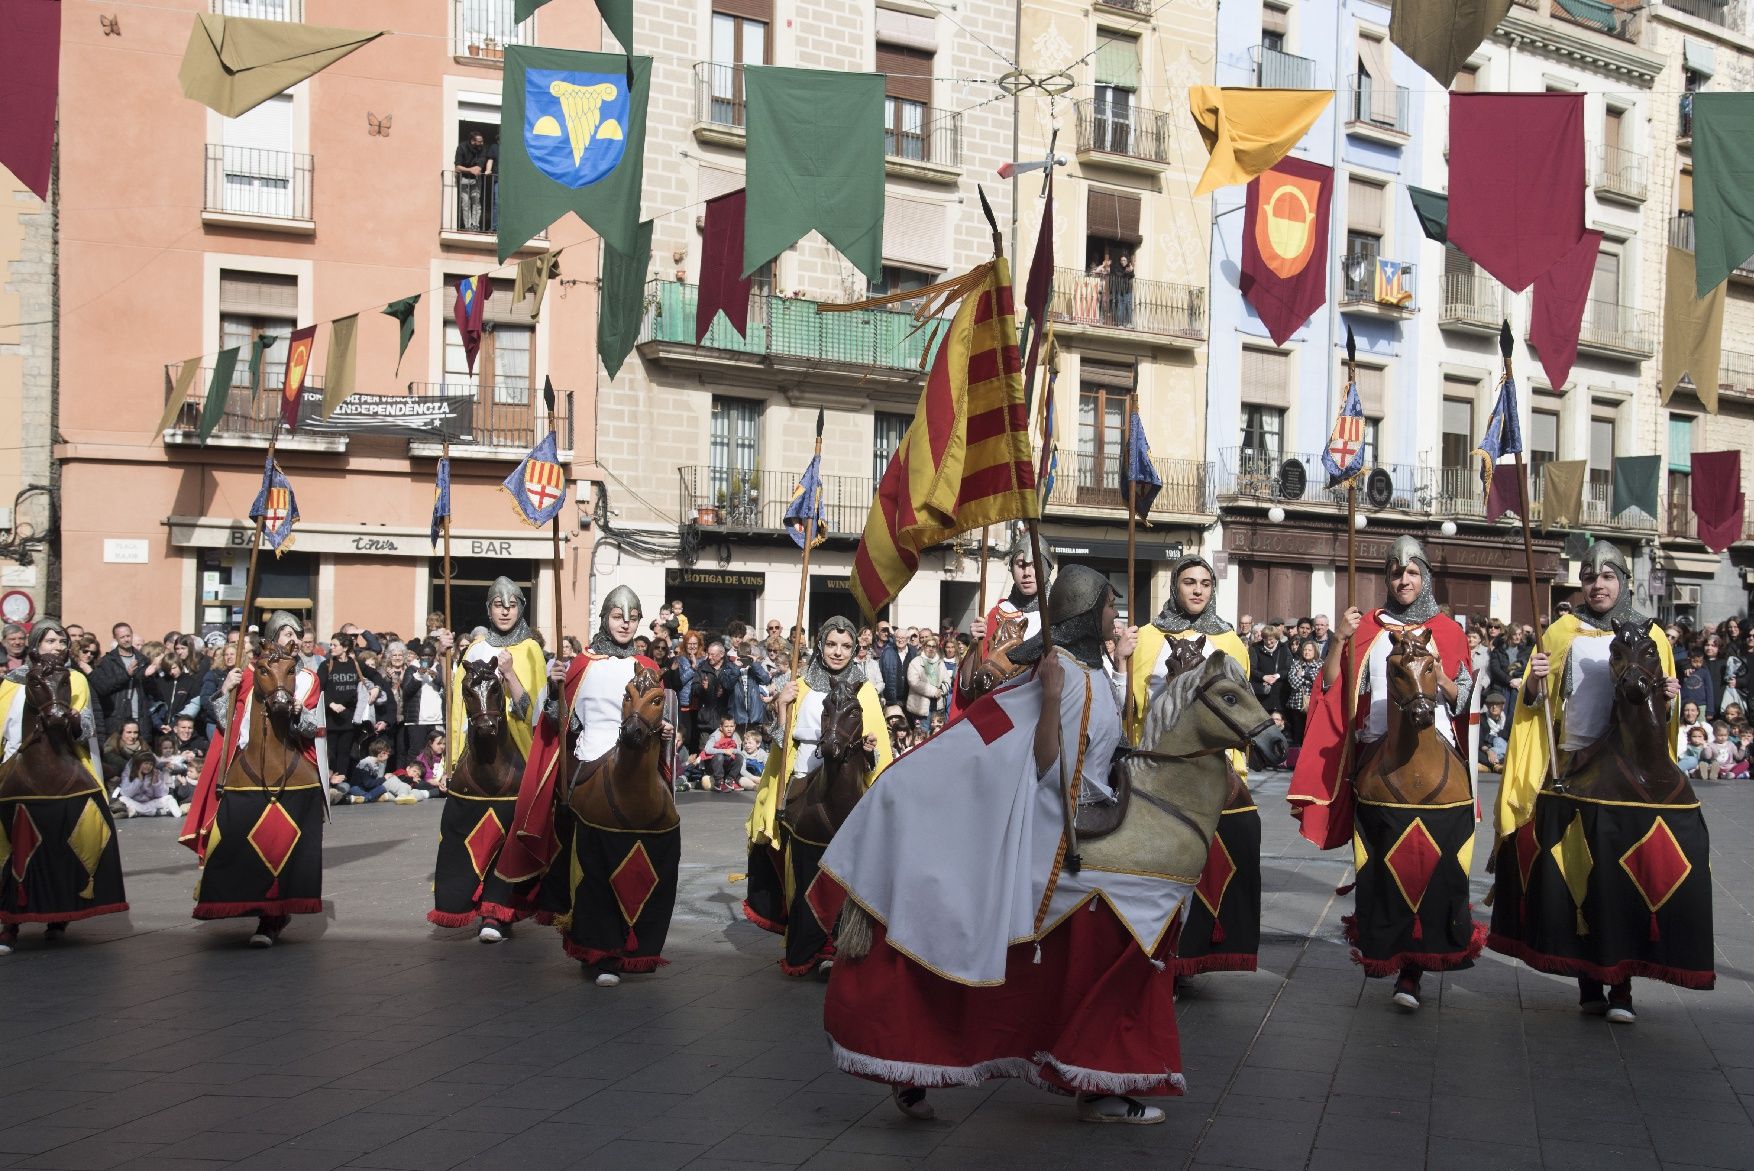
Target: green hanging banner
x,y
622,306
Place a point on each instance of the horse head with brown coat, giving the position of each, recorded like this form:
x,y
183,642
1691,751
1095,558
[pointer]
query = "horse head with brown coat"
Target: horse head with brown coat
x,y
821,800
489,764
273,758
47,763
625,789
1414,764
1631,761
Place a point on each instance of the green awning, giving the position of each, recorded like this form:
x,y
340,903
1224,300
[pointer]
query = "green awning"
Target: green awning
x,y
1699,57
1604,16
1117,62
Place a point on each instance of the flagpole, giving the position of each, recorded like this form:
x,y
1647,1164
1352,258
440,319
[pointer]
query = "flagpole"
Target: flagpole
x,y
980,601
1349,693
559,590
1130,707
450,618
255,552
1522,475
812,512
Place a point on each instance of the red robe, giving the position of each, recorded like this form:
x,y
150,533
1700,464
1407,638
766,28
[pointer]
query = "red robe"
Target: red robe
x,y
1321,793
204,806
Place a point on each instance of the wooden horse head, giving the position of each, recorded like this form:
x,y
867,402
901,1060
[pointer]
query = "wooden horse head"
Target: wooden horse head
x,y
843,722
276,683
1185,654
996,666
483,700
1413,671
1635,663
48,695
642,710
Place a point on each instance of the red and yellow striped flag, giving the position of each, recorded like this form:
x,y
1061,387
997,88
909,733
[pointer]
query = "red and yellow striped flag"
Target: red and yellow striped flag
x,y
965,461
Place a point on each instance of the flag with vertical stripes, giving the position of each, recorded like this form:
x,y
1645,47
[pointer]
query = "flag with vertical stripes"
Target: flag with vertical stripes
x,y
965,461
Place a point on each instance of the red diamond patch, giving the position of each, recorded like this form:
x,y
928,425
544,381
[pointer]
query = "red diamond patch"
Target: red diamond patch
x,y
825,896
1413,860
25,840
1656,865
483,842
1215,878
633,882
274,836
1527,850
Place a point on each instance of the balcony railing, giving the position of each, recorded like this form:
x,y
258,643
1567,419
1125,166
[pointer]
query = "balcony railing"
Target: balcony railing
x,y
1123,130
1624,23
1088,480
468,203
939,141
1471,300
1128,5
1279,70
481,29
1380,282
1681,235
1598,508
1247,474
247,414
756,500
290,10
1383,111
1621,328
1718,12
508,416
247,181
1126,302
1684,131
1621,172
790,327
718,94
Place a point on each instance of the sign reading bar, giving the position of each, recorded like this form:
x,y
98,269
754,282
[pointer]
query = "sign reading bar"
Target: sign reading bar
x,y
715,577
425,416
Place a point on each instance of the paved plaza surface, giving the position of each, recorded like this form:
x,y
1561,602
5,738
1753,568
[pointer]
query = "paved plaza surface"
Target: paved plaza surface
x,y
370,1039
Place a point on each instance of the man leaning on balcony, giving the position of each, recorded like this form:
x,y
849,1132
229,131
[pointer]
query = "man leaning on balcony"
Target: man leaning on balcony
x,y
476,164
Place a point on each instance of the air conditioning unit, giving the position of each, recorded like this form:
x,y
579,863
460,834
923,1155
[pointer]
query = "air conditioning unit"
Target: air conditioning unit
x,y
1684,595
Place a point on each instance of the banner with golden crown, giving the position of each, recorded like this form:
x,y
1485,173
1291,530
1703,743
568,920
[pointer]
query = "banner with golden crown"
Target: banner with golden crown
x,y
1285,244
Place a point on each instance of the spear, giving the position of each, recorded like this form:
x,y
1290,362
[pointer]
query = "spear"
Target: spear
x,y
810,533
1350,693
1522,475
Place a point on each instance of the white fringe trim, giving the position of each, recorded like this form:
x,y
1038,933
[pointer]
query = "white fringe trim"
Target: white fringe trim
x,y
927,1077
1098,1081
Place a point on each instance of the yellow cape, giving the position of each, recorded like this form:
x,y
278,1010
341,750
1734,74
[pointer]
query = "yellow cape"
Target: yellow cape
x,y
763,824
530,665
80,693
1525,763
1151,641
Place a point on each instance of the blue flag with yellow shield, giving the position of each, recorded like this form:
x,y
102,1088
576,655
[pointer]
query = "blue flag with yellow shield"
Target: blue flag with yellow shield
x,y
441,500
538,484
574,140
275,508
807,517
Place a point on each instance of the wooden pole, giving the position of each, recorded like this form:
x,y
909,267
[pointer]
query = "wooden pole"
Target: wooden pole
x,y
1350,693
559,588
814,508
980,601
445,521
243,632
1130,706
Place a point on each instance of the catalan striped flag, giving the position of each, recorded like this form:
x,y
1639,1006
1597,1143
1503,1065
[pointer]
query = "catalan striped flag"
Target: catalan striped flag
x,y
965,461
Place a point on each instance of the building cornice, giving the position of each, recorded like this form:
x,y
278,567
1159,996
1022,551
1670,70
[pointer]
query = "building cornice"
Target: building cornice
x,y
1584,48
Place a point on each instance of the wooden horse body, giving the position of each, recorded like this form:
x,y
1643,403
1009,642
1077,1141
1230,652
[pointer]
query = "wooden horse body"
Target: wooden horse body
x,y
819,802
47,762
1413,764
490,764
1630,761
625,789
272,760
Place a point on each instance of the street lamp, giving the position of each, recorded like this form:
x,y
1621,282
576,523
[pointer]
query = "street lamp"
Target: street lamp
x,y
1276,514
1447,528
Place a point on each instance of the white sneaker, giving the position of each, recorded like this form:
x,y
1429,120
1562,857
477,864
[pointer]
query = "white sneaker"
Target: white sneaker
x,y
1117,1108
5,948
824,970
911,1101
407,799
1622,1014
261,939
490,934
608,980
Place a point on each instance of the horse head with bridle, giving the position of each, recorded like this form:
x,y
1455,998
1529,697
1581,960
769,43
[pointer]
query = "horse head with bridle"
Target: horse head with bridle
x,y
1630,761
625,789
490,764
272,759
819,802
995,666
1414,764
47,763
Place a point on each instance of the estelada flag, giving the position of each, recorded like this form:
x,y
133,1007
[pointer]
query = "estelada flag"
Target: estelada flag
x,y
298,364
1285,244
538,484
965,460
470,313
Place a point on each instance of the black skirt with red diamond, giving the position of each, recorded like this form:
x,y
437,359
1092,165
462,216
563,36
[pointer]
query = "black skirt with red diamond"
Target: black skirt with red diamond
x,y
1412,900
265,856
58,860
623,894
464,886
1607,891
1223,928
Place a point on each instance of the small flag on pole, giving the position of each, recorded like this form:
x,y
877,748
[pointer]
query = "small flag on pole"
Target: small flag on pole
x,y
538,484
1050,458
276,507
1344,457
1143,482
441,500
1504,434
806,516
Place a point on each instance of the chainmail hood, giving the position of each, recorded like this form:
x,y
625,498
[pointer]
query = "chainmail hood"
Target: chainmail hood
x,y
1606,555
503,588
1075,608
277,622
1173,619
1408,551
817,674
623,599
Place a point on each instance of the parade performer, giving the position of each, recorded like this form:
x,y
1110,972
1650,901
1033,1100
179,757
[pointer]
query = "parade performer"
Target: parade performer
x,y
256,821
493,694
596,812
783,858
1603,867
971,945
1022,604
1395,783
58,855
1222,930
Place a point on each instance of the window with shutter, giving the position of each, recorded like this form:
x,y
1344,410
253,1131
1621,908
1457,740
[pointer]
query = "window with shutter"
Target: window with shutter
x,y
1376,99
1543,439
1467,80
1266,378
1364,206
1113,216
1605,284
1601,457
1458,428
1684,191
740,37
252,304
916,233
735,450
505,365
1372,381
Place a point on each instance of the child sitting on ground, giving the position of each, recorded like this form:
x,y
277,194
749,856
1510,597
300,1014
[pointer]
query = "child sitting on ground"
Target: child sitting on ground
x,y
426,772
1721,755
723,755
754,759
1688,761
146,791
366,781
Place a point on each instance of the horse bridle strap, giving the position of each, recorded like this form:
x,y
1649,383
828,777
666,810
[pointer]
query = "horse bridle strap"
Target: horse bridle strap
x,y
1202,694
292,760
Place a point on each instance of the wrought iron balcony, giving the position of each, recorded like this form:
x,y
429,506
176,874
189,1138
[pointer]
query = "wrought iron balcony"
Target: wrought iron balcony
x,y
1621,172
1247,474
289,10
507,418
938,142
255,185
1088,480
1378,111
1723,13
1275,69
481,29
1616,329
1131,131
1379,286
718,95
753,500
1125,302
720,101
1471,302
1681,235
1598,507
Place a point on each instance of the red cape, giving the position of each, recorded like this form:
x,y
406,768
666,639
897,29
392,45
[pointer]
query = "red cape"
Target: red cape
x,y
531,845
957,703
1321,792
204,805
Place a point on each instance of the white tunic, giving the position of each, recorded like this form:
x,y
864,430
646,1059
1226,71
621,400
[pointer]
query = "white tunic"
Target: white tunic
x,y
1376,692
598,706
806,732
1589,690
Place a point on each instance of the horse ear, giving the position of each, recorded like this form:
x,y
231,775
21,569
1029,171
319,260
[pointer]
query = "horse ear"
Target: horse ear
x,y
1213,667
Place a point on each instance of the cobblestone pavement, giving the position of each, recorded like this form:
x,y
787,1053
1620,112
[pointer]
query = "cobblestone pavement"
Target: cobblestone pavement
x,y
369,1039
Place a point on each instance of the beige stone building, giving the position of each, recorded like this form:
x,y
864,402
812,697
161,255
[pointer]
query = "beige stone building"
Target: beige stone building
x,y
28,582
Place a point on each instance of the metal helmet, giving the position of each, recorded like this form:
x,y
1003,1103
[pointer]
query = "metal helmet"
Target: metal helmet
x,y
504,589
1075,609
1605,555
1406,550
623,599
278,621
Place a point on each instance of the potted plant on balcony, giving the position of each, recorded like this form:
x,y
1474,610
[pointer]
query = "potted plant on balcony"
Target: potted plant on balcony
x,y
491,48
474,47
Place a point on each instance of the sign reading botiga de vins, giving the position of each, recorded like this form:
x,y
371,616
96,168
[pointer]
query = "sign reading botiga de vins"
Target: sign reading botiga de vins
x,y
405,416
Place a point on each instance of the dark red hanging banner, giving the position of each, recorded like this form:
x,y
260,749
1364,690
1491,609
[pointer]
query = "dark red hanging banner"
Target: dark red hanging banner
x,y
1285,244
722,283
1516,177
1719,506
30,81
1557,318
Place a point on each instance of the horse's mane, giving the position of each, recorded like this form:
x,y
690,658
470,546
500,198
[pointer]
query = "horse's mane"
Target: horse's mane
x,y
1166,710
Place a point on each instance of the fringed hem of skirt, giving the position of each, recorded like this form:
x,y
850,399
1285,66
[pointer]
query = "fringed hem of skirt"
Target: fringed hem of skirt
x,y
1090,1081
1612,974
9,918
1431,961
633,965
762,921
1217,962
440,918
501,913
1100,1081
804,969
260,907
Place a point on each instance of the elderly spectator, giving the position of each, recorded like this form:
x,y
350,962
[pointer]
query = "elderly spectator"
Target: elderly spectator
x,y
12,637
928,682
1269,666
748,707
